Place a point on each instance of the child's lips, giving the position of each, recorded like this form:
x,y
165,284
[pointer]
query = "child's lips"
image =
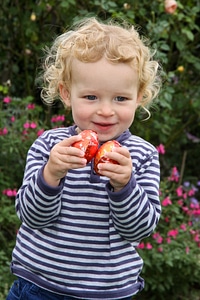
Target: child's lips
x,y
104,126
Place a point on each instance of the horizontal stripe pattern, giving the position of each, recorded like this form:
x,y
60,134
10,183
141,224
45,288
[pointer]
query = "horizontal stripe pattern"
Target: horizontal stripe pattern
x,y
79,238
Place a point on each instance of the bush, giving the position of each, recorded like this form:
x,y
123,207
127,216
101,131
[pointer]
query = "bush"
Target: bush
x,y
21,122
172,254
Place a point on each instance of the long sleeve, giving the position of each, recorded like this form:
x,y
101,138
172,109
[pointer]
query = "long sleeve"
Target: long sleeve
x,y
136,208
37,204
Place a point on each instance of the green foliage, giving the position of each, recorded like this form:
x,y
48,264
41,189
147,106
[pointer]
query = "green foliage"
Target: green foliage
x,y
21,122
171,255
8,228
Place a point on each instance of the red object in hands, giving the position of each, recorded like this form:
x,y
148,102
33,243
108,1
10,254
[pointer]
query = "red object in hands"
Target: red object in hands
x,y
100,156
88,144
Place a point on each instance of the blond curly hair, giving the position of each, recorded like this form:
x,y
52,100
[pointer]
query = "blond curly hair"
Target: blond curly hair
x,y
89,41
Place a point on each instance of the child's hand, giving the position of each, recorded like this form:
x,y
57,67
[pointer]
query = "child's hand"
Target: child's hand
x,y
62,158
120,173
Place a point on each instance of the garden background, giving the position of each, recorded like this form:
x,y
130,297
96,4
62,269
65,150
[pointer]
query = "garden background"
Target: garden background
x,y
172,254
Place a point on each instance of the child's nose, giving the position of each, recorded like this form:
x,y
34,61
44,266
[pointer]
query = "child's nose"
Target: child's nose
x,y
105,110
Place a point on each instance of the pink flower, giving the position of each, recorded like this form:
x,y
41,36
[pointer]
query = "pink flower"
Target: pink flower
x,y
3,131
180,202
160,249
12,119
183,227
141,245
174,175
179,191
166,202
161,149
149,246
192,231
168,240
155,235
30,106
158,238
7,100
40,132
170,6
26,125
24,132
32,125
197,238
196,212
167,219
185,196
173,233
194,205
53,119
187,250
10,192
185,209
59,118
191,192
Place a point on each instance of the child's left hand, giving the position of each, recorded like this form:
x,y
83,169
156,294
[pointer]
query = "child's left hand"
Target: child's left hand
x,y
120,173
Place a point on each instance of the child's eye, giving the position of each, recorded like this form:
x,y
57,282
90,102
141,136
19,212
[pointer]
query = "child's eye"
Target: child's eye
x,y
120,98
90,97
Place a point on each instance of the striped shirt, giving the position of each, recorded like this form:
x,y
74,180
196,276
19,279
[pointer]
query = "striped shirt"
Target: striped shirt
x,y
80,238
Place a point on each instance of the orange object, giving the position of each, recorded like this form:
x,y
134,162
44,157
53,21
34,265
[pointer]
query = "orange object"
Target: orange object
x,y
88,144
101,157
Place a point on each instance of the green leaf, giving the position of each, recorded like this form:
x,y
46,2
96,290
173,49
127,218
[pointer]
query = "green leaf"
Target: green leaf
x,y
188,33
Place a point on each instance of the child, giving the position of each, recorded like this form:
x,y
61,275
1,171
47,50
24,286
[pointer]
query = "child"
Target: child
x,y
79,230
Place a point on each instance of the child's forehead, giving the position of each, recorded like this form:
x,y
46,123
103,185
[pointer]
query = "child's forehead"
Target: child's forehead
x,y
77,64
104,73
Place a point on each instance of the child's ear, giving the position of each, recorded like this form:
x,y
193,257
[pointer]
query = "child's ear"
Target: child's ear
x,y
64,94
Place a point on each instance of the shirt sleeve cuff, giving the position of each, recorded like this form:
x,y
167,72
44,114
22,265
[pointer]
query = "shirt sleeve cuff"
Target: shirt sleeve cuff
x,y
123,193
47,189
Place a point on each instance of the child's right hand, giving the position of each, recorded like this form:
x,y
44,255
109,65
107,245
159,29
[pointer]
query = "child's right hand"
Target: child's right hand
x,y
62,158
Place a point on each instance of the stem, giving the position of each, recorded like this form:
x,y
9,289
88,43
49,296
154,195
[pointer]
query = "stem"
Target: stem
x,y
182,167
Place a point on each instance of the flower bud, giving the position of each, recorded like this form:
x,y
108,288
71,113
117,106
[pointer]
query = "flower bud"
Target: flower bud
x,y
180,69
33,17
170,6
127,6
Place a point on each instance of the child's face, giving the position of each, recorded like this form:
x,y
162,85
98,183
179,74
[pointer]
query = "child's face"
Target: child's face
x,y
103,97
